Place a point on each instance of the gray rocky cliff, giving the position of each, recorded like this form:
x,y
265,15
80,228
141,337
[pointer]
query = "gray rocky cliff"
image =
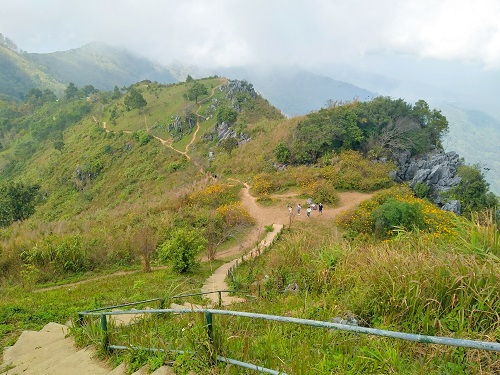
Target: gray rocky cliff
x,y
437,170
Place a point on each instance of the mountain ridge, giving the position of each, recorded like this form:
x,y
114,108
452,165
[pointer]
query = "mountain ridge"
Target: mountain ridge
x,y
295,91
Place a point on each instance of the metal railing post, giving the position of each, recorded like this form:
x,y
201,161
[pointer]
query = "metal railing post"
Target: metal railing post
x,y
220,299
80,320
105,337
209,325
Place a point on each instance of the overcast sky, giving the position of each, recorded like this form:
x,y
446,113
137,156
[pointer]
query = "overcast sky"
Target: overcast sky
x,y
234,32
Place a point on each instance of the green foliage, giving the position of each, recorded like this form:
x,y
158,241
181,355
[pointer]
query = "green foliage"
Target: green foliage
x,y
421,189
324,131
71,91
142,136
282,153
17,202
117,94
134,99
50,120
61,254
379,127
175,166
227,115
196,90
473,190
393,213
181,249
59,144
229,144
324,192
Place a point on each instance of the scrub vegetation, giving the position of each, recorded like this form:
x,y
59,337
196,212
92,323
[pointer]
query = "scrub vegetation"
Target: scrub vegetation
x,y
114,197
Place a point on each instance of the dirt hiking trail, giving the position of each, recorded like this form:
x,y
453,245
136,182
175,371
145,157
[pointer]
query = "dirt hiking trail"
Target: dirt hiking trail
x,y
50,352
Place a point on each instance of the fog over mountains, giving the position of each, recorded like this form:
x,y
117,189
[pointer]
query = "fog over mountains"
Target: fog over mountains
x,y
465,93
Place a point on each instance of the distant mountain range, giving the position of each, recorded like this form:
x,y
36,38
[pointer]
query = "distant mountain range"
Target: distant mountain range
x,y
295,91
100,65
94,64
18,74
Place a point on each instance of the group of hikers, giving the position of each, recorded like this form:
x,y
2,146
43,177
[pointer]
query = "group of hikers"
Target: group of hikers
x,y
308,210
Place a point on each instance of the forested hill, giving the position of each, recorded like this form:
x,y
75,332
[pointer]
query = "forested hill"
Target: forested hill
x,y
96,64
100,65
18,74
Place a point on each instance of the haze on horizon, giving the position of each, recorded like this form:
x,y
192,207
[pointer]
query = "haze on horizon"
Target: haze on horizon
x,y
449,49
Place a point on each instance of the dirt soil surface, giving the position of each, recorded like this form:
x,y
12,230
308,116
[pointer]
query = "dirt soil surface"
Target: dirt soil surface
x,y
279,214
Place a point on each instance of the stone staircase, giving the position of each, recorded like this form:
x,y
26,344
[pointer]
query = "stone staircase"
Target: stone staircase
x,y
50,352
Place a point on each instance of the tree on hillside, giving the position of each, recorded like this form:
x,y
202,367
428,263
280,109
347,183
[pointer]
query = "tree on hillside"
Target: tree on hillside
x,y
36,97
17,202
135,100
282,153
227,115
116,93
229,144
71,91
181,249
196,90
48,96
145,240
89,90
473,190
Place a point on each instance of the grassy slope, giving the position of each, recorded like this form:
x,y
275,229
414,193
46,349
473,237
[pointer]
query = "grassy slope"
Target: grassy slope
x,y
100,65
136,183
18,75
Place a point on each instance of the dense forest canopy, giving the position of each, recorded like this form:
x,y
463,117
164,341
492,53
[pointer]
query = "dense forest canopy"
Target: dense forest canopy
x,y
378,128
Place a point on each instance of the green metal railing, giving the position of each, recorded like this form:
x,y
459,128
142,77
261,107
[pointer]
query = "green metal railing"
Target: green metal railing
x,y
209,323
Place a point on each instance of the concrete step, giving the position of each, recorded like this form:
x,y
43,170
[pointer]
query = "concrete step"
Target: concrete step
x,y
119,370
163,370
30,341
49,352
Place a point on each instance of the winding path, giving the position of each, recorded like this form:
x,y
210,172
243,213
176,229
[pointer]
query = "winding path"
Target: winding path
x,y
185,152
250,246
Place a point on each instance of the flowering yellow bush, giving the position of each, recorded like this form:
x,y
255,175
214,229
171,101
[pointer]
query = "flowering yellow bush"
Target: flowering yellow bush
x,y
432,221
210,196
262,184
355,172
234,214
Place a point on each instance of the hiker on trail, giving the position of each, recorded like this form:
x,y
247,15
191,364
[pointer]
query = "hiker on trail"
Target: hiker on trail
x,y
290,210
309,211
320,208
298,209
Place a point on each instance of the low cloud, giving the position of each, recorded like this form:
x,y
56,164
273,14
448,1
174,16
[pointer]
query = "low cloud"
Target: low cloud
x,y
233,32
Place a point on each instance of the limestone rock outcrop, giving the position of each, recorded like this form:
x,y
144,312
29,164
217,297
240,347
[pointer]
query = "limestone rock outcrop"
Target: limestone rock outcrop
x,y
437,170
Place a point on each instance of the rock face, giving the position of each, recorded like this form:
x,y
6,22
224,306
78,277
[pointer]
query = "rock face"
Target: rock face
x,y
225,131
437,171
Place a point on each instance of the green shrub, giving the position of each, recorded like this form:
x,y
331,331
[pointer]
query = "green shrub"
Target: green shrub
x,y
282,153
354,172
421,190
174,166
142,136
325,193
393,213
181,249
62,254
